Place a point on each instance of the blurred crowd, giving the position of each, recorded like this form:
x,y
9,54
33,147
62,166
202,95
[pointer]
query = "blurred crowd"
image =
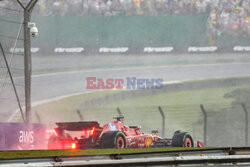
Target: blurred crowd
x,y
226,16
118,7
230,17
124,7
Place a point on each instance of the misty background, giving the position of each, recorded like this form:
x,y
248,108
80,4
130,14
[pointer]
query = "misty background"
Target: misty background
x,y
177,40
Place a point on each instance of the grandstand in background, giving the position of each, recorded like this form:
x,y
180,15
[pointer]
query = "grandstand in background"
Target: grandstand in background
x,y
136,25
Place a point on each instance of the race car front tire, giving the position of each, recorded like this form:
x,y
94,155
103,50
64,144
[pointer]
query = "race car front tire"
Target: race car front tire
x,y
182,139
113,139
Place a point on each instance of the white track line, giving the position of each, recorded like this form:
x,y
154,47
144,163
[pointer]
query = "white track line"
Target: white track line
x,y
70,95
134,68
118,69
13,115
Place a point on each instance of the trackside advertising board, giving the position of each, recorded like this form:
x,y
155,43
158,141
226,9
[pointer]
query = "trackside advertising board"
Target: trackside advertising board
x,y
22,136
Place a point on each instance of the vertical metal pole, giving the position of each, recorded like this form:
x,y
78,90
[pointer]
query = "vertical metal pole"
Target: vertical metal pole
x,y
119,113
246,123
163,121
205,124
38,117
27,65
80,115
27,56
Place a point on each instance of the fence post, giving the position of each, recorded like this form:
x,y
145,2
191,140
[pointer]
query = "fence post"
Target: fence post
x,y
38,117
205,124
163,121
246,123
119,113
80,115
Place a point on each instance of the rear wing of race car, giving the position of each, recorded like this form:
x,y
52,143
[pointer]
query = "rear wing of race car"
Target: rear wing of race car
x,y
77,126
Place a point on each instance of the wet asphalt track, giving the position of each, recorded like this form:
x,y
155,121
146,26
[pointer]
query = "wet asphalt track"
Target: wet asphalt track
x,y
48,86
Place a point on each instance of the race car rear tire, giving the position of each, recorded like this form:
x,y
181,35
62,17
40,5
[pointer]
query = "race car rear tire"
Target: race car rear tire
x,y
182,139
113,139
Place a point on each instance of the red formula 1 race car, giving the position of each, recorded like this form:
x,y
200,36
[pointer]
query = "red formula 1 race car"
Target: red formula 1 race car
x,y
86,135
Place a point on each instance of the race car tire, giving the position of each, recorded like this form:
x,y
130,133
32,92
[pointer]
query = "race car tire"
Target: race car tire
x,y
182,139
113,139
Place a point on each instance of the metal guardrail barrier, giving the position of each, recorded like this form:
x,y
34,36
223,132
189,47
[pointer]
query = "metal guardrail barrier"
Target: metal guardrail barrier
x,y
220,156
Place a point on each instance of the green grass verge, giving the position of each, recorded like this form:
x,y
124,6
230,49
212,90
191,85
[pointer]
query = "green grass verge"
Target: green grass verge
x,y
182,109
54,153
65,109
